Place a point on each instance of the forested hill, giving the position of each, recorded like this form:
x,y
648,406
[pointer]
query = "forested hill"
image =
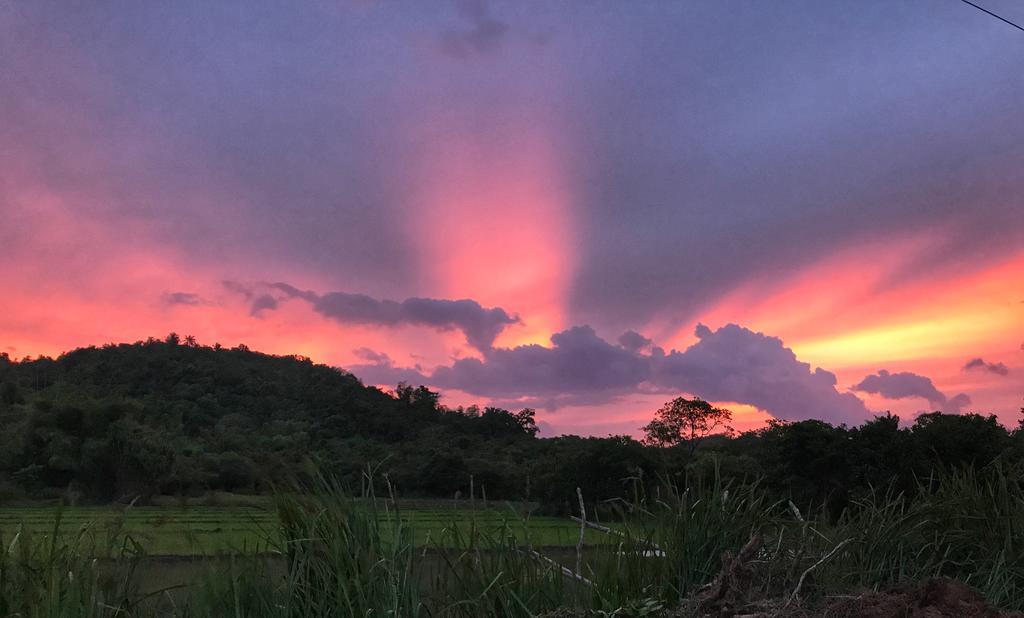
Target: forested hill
x,y
172,416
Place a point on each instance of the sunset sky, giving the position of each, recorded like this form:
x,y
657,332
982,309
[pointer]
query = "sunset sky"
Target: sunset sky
x,y
797,209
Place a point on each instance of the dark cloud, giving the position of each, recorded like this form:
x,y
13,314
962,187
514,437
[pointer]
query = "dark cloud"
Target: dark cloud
x,y
958,403
634,341
484,35
730,364
263,302
900,386
238,288
479,324
578,363
906,384
182,298
386,374
372,356
380,369
736,364
981,365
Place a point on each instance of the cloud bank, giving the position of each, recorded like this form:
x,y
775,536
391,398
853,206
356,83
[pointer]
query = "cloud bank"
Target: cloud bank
x,y
736,364
729,364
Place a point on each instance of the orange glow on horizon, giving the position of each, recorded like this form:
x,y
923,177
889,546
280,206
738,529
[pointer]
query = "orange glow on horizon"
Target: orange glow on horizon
x,y
846,315
937,318
841,312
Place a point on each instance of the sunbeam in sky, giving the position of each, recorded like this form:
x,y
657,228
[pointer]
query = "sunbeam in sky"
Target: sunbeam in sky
x,y
583,209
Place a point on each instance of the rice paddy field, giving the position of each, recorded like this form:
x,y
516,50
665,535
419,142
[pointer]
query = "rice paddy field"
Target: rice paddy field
x,y
321,553
215,530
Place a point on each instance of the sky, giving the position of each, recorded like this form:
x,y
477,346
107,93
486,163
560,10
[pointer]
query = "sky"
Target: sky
x,y
796,209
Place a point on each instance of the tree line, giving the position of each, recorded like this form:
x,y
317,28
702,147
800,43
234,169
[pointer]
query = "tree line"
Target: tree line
x,y
173,417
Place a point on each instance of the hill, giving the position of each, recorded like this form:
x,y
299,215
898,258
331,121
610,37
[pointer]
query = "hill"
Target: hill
x,y
172,416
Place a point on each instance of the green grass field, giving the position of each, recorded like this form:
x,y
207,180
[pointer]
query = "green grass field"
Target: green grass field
x,y
209,530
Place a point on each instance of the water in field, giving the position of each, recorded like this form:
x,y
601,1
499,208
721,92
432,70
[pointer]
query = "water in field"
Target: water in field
x,y
178,575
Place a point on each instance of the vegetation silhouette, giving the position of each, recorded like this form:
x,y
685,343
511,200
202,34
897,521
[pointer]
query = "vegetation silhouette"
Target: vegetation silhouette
x,y
130,421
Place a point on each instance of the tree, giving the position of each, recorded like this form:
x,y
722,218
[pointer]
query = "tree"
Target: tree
x,y
9,393
421,398
686,421
958,439
527,419
808,461
500,422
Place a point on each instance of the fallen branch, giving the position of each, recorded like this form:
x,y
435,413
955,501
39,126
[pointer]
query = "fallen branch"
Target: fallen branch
x,y
619,533
564,569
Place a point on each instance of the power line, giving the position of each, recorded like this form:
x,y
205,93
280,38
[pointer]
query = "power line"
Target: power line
x,y
984,10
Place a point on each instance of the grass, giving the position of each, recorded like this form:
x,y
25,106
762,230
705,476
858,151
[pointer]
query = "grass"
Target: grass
x,y
158,530
337,556
212,530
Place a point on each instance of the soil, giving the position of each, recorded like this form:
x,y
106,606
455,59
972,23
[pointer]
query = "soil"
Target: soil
x,y
934,598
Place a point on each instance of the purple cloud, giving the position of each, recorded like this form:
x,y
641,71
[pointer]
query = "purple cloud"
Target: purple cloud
x,y
579,363
263,302
734,363
372,356
634,341
479,324
980,364
182,298
380,369
905,384
730,364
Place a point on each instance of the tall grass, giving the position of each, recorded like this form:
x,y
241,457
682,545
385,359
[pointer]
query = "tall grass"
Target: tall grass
x,y
88,572
967,524
334,555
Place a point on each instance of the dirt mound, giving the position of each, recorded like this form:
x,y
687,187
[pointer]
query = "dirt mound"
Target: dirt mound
x,y
733,594
934,598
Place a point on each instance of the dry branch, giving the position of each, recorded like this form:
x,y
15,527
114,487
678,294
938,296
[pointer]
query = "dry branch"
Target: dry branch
x,y
564,569
803,576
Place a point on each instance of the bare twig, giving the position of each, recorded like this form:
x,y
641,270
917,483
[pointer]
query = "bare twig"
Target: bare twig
x,y
803,576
